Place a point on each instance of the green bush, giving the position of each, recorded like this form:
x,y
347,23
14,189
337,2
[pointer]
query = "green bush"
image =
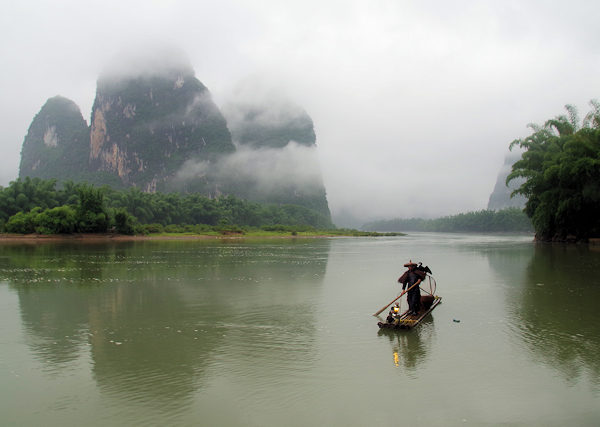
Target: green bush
x,y
124,222
23,222
91,213
152,228
59,220
202,228
225,228
288,228
90,222
174,228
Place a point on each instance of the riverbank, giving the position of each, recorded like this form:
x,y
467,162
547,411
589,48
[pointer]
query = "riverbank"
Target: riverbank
x,y
33,238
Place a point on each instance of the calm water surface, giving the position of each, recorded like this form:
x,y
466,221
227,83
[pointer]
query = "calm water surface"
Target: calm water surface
x,y
281,332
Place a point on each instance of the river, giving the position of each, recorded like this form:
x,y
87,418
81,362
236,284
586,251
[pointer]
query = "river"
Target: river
x,y
280,332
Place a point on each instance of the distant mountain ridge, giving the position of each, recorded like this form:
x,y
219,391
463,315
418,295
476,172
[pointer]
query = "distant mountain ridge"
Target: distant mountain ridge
x,y
161,131
500,198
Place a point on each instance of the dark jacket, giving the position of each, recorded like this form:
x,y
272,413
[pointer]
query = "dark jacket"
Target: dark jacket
x,y
409,278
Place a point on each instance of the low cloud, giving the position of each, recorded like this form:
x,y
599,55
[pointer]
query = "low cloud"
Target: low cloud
x,y
192,169
147,59
262,171
258,101
271,168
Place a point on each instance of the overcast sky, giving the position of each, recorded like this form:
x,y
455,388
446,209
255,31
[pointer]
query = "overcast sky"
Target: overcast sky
x,y
414,102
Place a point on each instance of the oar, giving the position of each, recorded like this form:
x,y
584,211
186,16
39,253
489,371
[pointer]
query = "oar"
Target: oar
x,y
403,292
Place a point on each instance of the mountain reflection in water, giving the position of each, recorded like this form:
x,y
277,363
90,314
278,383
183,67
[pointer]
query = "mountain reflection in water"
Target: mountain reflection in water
x,y
155,316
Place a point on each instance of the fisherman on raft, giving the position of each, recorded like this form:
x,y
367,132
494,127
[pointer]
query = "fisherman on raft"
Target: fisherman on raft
x,y
411,278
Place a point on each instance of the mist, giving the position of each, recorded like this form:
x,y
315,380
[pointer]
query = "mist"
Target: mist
x,y
144,60
414,104
265,170
258,100
275,168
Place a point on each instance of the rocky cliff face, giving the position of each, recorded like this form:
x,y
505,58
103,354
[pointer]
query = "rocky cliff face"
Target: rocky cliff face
x,y
500,197
145,127
56,142
157,128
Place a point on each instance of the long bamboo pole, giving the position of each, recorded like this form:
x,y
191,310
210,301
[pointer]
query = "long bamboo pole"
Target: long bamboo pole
x,y
394,300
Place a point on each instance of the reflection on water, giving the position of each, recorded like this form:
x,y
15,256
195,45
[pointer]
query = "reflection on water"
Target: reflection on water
x,y
281,333
551,292
410,347
557,308
155,316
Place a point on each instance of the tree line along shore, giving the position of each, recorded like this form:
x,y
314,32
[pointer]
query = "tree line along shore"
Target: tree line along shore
x,y
36,207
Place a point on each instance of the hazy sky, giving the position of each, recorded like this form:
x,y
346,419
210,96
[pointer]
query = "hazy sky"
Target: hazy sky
x,y
414,102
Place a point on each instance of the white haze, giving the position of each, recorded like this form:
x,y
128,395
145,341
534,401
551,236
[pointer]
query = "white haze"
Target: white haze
x,y
266,168
138,59
273,168
276,106
414,102
192,169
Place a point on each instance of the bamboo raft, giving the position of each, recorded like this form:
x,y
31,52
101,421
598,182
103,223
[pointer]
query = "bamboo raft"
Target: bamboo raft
x,y
409,321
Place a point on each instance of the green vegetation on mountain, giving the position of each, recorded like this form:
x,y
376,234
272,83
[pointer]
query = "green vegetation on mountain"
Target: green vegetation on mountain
x,y
57,142
560,166
145,127
484,221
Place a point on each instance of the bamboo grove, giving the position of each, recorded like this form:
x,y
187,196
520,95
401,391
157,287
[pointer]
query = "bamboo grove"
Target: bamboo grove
x,y
561,167
33,205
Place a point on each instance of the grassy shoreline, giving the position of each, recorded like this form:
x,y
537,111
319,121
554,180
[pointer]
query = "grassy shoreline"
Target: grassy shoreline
x,y
6,237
